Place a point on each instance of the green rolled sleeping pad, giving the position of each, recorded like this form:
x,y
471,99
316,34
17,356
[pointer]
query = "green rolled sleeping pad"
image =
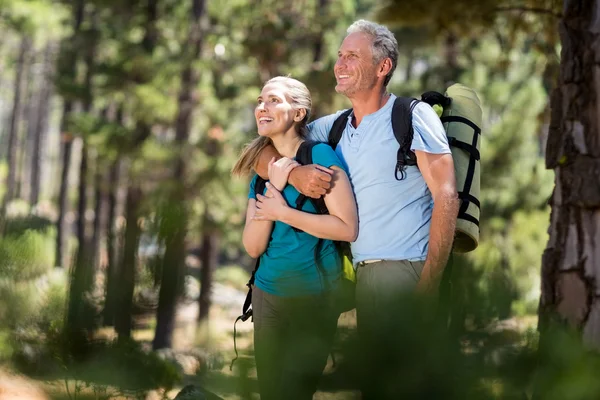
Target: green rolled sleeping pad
x,y
462,121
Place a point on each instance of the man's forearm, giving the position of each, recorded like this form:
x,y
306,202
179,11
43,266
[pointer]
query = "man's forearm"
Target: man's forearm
x,y
262,164
441,236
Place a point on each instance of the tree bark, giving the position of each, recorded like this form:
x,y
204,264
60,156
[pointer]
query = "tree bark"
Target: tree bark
x,y
100,207
69,62
126,271
209,262
13,133
28,116
112,246
82,282
174,258
571,261
126,284
41,125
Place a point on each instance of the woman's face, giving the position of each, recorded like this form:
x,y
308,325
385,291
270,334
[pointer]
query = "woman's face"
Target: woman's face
x,y
274,113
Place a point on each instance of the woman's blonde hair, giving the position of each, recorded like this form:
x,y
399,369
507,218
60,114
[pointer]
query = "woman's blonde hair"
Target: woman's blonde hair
x,y
299,97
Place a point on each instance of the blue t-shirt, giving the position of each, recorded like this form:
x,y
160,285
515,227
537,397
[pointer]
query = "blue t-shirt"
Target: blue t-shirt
x,y
393,216
288,267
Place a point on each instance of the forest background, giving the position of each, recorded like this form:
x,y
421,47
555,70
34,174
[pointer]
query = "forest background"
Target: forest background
x,y
121,264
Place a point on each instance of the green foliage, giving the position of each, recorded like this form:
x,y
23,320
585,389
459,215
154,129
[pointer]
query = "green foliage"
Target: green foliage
x,y
17,226
474,17
26,256
40,18
35,307
20,303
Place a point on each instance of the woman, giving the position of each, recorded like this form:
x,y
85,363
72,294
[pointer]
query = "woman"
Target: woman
x,y
294,315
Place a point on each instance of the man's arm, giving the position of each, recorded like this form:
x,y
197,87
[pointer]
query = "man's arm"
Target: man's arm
x,y
438,172
310,180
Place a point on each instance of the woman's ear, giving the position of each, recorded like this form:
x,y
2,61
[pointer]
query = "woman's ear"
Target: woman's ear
x,y
300,114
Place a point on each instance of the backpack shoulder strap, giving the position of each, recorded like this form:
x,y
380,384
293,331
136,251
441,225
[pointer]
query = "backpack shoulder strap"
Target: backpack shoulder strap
x,y
304,157
335,134
259,185
403,131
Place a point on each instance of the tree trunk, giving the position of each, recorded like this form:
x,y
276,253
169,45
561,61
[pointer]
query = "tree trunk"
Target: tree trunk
x,y
112,245
28,116
69,62
174,258
100,207
451,51
209,262
571,261
126,283
80,310
41,125
13,133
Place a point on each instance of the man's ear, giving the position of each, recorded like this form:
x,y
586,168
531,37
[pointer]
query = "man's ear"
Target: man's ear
x,y
300,114
386,67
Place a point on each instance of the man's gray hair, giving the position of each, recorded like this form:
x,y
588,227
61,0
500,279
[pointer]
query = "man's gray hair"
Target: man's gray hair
x,y
384,45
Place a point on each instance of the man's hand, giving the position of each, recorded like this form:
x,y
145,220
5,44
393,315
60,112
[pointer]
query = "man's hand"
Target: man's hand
x,y
311,180
279,171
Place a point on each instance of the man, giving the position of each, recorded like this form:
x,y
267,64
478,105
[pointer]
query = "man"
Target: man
x,y
406,227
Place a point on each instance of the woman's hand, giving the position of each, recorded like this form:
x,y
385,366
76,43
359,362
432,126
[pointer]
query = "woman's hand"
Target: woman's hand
x,y
270,208
279,171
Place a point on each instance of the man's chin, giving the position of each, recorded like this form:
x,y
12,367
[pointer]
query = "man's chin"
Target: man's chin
x,y
342,89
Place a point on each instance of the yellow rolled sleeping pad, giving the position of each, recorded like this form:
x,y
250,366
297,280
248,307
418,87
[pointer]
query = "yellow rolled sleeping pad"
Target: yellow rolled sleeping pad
x,y
462,117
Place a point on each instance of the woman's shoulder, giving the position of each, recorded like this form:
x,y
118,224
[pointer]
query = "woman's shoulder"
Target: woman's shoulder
x,y
324,155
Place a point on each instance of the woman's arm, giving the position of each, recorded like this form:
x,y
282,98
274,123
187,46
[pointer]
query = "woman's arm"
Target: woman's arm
x,y
340,224
256,233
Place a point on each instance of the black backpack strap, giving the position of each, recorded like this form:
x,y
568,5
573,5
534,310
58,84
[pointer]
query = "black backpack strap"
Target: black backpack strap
x,y
403,131
474,156
259,188
335,134
304,157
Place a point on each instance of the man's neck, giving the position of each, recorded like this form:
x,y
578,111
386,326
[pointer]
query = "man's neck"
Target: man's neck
x,y
367,103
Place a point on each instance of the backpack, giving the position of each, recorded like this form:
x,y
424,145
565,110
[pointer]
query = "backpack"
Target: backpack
x,y
461,118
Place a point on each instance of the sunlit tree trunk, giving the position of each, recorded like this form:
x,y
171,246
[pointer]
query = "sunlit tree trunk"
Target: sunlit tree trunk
x,y
41,125
13,132
33,82
571,261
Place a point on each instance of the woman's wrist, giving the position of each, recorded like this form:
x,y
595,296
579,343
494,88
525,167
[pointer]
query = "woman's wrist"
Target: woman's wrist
x,y
279,189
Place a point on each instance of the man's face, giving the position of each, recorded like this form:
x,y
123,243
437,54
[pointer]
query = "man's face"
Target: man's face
x,y
355,69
